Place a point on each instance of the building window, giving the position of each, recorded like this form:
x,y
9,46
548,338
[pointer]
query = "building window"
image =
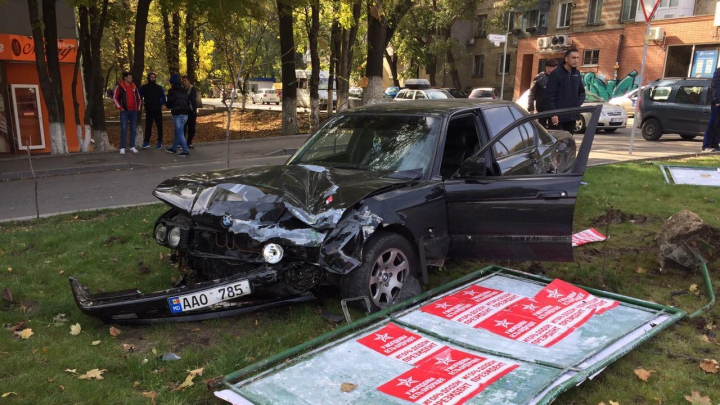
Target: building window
x,y
564,10
478,61
591,57
500,64
629,10
542,19
668,3
594,12
481,24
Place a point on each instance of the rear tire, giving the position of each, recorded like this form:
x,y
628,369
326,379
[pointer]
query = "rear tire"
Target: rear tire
x,y
688,137
580,125
651,129
386,272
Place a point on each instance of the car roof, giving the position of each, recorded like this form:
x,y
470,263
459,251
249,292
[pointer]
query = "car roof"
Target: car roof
x,y
442,107
686,80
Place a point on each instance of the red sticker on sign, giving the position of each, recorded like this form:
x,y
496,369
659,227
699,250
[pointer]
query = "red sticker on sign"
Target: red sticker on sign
x,y
564,293
398,343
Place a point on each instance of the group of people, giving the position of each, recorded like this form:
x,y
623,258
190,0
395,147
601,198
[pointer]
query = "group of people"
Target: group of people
x,y
181,101
559,86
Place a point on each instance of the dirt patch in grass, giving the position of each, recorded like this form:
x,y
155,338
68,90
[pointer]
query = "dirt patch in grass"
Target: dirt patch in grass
x,y
211,128
614,217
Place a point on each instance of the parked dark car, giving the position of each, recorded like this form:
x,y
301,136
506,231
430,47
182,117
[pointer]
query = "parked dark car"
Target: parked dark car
x,y
376,196
391,92
457,93
674,106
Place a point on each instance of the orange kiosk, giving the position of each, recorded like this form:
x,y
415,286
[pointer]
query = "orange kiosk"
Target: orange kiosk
x,y
23,115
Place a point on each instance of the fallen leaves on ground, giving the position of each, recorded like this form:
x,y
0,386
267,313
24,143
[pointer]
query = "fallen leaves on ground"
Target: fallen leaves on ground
x,y
187,383
643,374
94,373
709,366
696,399
14,328
114,332
71,371
7,294
150,394
197,371
128,347
25,333
96,342
7,394
610,402
75,329
693,288
640,270
347,387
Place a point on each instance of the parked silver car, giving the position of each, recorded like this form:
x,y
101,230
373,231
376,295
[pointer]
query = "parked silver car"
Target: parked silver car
x,y
627,101
611,118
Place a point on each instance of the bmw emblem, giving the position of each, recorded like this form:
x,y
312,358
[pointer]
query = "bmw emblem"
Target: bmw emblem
x,y
227,221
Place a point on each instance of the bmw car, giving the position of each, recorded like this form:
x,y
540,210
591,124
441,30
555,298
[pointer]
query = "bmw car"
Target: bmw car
x,y
375,198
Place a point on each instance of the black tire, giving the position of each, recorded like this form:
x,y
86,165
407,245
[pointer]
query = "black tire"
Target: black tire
x,y
651,129
388,264
688,137
610,130
580,125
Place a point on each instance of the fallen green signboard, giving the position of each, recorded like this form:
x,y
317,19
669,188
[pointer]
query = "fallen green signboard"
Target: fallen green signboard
x,y
498,336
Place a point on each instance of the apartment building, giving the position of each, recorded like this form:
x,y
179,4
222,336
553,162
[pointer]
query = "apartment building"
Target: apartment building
x,y
609,34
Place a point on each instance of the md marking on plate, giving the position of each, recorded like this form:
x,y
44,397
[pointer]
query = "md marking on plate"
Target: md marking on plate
x,y
206,298
537,376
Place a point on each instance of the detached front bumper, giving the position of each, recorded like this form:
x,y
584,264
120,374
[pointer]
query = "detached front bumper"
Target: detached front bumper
x,y
134,307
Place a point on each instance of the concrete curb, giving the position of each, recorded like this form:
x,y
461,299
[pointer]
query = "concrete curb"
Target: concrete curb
x,y
68,171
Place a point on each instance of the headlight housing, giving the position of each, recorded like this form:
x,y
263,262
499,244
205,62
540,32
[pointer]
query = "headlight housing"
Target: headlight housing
x,y
161,234
272,253
173,237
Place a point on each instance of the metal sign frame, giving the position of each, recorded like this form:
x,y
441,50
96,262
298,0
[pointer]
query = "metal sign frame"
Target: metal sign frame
x,y
660,317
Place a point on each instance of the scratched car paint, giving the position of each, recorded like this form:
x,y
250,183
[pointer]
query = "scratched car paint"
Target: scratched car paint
x,y
372,200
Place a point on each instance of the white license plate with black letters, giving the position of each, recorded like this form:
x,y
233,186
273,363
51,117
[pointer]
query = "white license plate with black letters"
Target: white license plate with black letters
x,y
211,296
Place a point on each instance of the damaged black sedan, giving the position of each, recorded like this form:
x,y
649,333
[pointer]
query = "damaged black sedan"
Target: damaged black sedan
x,y
376,196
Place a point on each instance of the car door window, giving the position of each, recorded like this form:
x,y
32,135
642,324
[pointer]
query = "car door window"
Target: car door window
x,y
689,95
461,142
660,93
419,95
514,141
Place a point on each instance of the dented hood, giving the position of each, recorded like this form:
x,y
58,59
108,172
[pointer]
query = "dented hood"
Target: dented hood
x,y
311,193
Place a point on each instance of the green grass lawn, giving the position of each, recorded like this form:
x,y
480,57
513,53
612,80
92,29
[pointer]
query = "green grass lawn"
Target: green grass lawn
x,y
113,250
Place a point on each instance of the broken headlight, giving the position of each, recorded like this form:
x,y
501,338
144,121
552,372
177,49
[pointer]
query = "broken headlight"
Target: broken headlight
x,y
160,234
272,253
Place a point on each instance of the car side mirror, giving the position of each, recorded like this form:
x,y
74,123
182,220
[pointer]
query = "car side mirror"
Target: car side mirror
x,y
474,166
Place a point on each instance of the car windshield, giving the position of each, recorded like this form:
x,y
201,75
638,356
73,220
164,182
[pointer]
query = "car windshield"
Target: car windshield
x,y
477,93
437,94
593,98
373,142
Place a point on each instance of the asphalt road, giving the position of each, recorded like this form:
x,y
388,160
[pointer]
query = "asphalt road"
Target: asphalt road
x,y
71,193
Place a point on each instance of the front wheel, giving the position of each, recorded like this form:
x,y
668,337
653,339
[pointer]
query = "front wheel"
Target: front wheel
x,y
385,274
651,129
580,125
688,137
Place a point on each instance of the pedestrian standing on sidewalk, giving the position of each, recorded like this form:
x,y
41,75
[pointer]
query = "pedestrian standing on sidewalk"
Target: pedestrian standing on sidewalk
x,y
127,100
565,89
179,104
154,97
537,99
190,125
711,141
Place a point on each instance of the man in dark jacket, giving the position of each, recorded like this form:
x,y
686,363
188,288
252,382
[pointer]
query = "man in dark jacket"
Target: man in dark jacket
x,y
179,104
154,97
127,100
565,89
536,99
190,126
711,141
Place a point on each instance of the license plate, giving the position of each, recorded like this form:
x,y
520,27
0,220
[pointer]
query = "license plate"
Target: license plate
x,y
205,298
614,120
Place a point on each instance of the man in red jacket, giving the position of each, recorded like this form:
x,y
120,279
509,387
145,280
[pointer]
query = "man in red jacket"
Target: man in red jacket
x,y
127,100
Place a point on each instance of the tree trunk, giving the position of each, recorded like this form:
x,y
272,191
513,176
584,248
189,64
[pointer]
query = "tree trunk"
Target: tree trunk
x,y
127,35
76,104
392,61
334,54
381,28
171,30
49,71
141,20
315,66
287,58
120,56
347,43
190,46
92,23
451,62
431,68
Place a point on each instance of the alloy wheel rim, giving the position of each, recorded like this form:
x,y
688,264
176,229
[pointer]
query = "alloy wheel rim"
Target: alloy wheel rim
x,y
388,276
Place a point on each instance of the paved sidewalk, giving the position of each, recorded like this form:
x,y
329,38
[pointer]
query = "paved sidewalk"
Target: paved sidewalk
x,y
18,167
